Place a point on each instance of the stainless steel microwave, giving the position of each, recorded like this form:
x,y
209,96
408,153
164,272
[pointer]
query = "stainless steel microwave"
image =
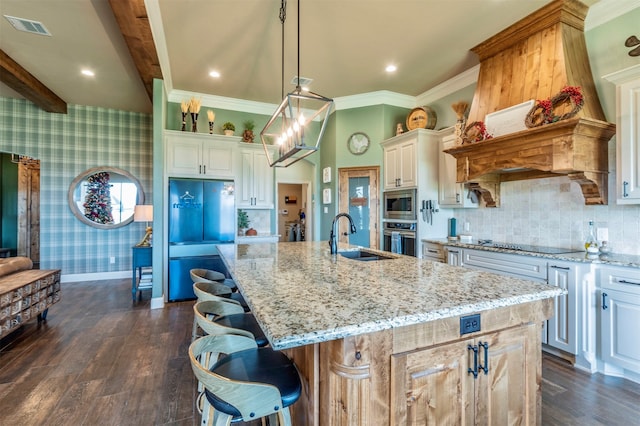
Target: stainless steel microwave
x,y
400,204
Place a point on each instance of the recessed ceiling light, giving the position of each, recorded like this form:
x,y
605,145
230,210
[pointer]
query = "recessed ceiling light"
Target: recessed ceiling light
x,y
88,72
391,68
214,74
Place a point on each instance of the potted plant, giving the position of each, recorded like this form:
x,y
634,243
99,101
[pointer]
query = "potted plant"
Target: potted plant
x,y
247,135
228,128
243,222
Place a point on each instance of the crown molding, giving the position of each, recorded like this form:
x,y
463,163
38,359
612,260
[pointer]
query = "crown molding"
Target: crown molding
x,y
607,10
231,104
375,98
460,81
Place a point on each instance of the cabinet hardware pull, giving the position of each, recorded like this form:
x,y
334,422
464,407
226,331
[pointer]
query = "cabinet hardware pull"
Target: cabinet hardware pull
x,y
561,267
457,197
200,169
204,169
432,251
486,358
625,184
604,302
454,251
628,282
473,370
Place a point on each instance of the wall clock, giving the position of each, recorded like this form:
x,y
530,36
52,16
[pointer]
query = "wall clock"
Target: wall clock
x,y
358,143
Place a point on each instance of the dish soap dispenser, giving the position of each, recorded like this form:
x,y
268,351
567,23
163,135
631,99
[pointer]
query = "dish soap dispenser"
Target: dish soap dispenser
x,y
591,244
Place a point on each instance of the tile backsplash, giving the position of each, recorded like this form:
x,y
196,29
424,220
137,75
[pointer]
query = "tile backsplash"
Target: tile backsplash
x,y
260,220
551,212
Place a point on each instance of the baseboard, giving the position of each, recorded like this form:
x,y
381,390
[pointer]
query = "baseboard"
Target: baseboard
x,y
71,278
157,303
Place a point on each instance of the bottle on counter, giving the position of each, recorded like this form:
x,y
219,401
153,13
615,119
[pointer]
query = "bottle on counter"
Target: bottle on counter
x,y
591,244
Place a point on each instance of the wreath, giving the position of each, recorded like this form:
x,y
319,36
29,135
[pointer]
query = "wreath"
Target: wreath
x,y
475,132
543,111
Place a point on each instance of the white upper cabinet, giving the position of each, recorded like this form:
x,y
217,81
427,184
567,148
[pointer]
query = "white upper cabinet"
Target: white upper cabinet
x,y
255,189
199,155
400,162
627,83
450,193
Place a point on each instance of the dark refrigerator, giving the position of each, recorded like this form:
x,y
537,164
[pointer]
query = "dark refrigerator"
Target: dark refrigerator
x,y
201,215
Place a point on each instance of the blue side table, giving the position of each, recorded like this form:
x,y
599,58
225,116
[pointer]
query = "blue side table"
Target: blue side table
x,y
141,259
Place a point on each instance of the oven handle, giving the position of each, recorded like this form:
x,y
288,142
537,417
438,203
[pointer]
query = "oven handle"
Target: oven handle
x,y
410,234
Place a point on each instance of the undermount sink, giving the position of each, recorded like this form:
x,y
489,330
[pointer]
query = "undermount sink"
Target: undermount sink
x,y
362,255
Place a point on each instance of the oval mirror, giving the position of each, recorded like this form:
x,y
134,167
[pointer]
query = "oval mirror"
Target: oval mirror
x,y
105,197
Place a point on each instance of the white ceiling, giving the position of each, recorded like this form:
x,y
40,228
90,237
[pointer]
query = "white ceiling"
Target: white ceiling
x,y
345,46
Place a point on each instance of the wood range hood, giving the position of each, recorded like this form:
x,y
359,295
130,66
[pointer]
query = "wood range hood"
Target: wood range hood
x,y
534,59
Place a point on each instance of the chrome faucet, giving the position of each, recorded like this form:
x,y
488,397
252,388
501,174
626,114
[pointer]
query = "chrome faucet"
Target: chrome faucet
x,y
333,243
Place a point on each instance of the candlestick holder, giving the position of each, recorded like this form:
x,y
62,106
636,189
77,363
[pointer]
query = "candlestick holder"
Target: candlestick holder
x,y
211,127
184,121
194,119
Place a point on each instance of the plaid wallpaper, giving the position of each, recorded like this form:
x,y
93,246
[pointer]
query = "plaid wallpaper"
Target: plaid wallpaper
x,y
67,145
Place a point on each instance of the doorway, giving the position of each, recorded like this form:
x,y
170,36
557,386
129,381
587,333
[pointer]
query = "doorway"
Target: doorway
x,y
358,189
20,206
293,214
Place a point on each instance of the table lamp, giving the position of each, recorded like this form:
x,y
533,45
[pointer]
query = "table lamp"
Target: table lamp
x,y
144,213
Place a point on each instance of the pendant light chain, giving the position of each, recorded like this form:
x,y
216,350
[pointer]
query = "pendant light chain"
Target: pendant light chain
x,y
283,18
298,77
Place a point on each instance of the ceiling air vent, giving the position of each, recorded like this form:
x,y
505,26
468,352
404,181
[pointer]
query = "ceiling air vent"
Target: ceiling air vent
x,y
28,25
303,81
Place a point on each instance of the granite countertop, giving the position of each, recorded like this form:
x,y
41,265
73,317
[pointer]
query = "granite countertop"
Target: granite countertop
x,y
301,294
616,259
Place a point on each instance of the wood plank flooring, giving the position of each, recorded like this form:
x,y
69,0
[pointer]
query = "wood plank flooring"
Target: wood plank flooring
x,y
101,360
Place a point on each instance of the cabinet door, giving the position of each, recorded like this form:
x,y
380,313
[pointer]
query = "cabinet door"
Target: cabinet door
x,y
562,326
184,157
408,164
432,386
391,162
508,392
217,160
449,191
628,141
620,316
262,181
454,256
256,186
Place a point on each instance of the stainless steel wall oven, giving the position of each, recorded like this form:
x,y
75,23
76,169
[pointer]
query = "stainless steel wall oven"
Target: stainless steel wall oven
x,y
400,238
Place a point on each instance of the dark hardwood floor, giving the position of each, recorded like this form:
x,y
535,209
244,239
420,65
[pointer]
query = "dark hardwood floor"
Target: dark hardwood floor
x,y
101,360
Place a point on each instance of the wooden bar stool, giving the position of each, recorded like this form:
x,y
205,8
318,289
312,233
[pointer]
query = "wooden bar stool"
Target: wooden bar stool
x,y
207,275
202,289
217,317
246,383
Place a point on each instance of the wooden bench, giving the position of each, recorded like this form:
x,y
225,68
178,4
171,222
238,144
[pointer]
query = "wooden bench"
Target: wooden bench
x,y
26,295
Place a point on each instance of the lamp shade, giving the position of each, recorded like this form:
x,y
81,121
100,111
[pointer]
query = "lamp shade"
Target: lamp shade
x,y
143,213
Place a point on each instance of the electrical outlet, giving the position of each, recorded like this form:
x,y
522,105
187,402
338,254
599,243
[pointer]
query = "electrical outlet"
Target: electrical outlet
x,y
469,324
466,227
112,259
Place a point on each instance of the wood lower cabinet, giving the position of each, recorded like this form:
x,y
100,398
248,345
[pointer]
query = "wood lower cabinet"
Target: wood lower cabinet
x,y
438,385
420,374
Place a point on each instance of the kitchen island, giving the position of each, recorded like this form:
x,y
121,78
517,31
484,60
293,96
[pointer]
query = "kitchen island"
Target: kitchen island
x,y
379,342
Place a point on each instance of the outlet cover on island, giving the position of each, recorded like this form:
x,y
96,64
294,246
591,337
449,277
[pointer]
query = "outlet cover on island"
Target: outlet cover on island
x,y
112,259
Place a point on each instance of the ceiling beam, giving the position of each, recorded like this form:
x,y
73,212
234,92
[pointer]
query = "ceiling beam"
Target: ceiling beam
x,y
134,25
22,81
